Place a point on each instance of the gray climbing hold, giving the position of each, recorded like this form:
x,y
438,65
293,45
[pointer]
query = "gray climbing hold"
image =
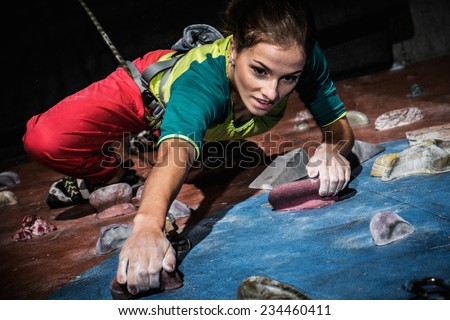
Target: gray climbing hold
x,y
112,237
387,227
415,90
178,209
364,151
9,179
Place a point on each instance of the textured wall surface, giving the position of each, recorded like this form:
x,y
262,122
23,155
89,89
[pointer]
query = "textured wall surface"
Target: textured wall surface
x,y
431,32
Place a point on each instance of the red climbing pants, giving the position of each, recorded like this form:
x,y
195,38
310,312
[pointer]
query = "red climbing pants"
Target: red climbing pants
x,y
81,135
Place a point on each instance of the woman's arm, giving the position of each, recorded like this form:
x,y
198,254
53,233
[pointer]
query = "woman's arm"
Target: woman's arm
x,y
147,250
329,160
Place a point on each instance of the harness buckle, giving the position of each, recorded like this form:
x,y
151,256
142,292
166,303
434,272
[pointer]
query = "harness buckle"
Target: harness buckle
x,y
147,97
150,101
157,110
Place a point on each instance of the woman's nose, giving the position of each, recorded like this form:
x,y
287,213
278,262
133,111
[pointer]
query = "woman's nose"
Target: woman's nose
x,y
270,90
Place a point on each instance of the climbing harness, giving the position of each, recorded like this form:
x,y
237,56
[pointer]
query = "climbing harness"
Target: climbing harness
x,y
193,36
154,107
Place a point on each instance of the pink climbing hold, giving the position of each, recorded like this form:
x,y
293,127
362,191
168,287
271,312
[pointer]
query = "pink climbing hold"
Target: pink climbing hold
x,y
299,195
113,200
121,209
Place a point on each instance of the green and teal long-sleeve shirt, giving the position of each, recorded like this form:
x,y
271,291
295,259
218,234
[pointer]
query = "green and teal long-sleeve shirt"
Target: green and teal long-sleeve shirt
x,y
197,97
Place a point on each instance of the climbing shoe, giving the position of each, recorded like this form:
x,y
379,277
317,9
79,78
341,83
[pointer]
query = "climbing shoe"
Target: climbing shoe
x,y
70,191
67,191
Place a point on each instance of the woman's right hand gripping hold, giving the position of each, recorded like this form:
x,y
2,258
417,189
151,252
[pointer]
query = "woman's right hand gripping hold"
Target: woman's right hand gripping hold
x,y
147,250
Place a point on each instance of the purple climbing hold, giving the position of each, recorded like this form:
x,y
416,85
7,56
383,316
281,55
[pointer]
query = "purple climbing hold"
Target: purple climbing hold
x,y
298,195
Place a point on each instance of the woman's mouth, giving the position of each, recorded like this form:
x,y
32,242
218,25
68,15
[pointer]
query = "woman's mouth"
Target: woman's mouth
x,y
263,104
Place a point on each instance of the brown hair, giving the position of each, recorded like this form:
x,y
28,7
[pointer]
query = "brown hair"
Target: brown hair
x,y
279,22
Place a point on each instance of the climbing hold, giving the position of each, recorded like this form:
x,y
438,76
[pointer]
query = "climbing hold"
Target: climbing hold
x,y
9,179
357,118
383,164
168,281
439,133
298,195
428,157
112,237
32,225
397,118
264,288
387,227
113,200
7,198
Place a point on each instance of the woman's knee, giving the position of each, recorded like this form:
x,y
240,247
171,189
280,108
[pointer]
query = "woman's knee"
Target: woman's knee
x,y
39,141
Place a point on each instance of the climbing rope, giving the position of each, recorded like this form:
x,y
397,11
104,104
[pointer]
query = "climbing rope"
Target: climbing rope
x,y
105,37
151,106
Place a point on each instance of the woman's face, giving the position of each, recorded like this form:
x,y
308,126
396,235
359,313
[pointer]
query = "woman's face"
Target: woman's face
x,y
264,74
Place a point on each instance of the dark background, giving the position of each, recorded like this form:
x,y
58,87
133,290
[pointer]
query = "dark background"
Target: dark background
x,y
52,49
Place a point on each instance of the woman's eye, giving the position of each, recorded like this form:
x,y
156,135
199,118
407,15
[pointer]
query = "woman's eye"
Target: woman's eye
x,y
291,78
259,71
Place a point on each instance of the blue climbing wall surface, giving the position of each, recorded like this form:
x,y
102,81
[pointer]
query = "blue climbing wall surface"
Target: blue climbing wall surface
x,y
327,253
